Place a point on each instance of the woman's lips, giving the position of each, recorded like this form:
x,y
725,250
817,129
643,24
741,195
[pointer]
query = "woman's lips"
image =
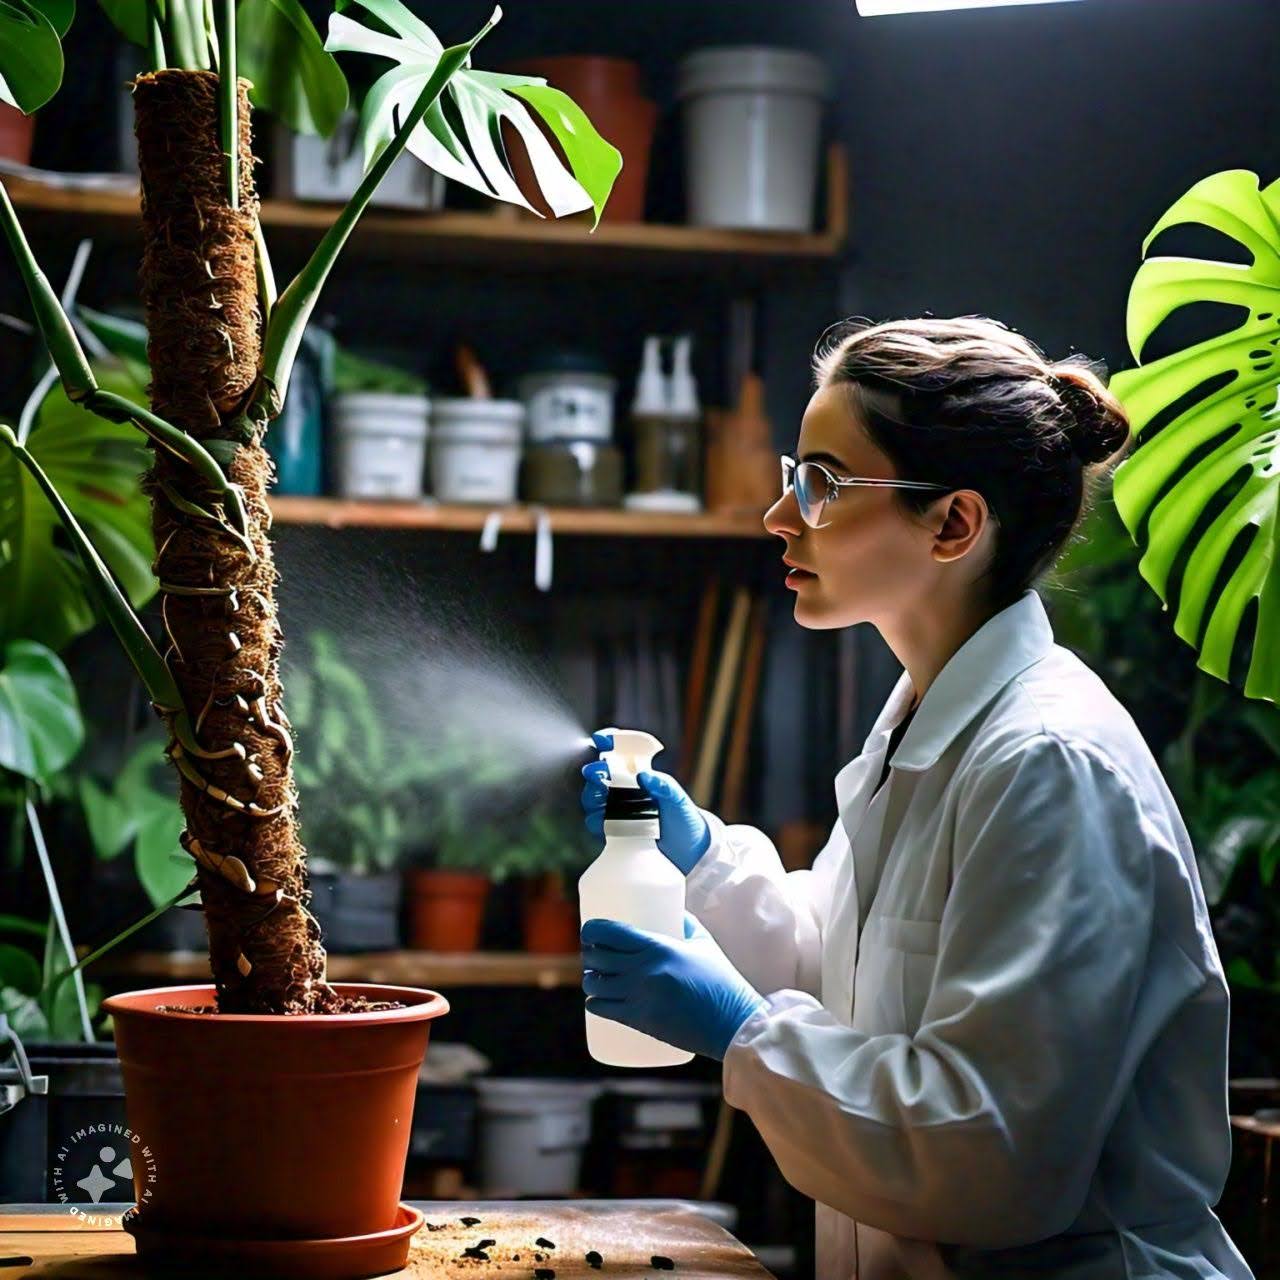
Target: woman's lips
x,y
797,576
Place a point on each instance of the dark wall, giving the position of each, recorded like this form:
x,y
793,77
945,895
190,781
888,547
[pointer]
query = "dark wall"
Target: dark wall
x,y
1011,161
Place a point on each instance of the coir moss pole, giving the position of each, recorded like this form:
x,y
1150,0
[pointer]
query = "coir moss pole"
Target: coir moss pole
x,y
217,589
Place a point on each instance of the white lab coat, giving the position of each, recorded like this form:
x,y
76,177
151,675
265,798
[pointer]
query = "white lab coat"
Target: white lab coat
x,y
995,1032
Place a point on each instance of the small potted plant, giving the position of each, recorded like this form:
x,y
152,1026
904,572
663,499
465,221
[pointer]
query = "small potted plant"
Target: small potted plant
x,y
467,849
555,850
364,798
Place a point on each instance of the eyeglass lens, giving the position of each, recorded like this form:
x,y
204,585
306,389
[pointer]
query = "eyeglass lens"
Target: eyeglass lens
x,y
811,488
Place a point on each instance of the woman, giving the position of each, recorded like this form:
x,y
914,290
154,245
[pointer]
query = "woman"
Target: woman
x,y
987,1031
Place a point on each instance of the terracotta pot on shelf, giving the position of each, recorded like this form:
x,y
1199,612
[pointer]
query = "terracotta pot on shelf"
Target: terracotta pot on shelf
x,y
16,132
551,925
247,1129
446,909
609,91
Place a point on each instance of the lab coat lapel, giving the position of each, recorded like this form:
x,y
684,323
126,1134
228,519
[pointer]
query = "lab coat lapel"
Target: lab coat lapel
x,y
862,817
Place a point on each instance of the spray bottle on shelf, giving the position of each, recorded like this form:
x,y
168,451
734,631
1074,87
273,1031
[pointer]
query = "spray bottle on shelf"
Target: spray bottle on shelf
x,y
667,425
632,881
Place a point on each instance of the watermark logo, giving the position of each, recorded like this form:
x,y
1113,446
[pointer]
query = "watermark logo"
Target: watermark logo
x,y
103,1162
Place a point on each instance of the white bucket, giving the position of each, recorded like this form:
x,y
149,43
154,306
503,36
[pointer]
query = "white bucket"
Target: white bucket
x,y
475,450
532,1134
752,122
381,440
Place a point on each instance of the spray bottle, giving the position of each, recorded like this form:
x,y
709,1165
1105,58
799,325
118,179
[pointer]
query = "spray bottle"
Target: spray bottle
x,y
632,881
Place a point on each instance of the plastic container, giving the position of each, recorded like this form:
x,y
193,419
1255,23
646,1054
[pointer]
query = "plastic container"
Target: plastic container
x,y
573,473
532,1134
752,123
381,440
568,397
651,1137
329,170
476,448
668,462
635,882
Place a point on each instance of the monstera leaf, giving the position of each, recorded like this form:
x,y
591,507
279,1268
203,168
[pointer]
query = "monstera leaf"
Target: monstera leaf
x,y
95,464
1200,491
292,75
40,725
475,156
31,50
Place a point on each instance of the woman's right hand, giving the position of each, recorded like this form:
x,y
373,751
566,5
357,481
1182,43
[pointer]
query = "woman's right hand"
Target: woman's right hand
x,y
684,835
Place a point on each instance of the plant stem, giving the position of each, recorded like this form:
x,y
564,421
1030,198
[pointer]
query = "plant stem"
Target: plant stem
x,y
55,326
293,310
119,938
266,276
229,97
55,902
187,34
155,37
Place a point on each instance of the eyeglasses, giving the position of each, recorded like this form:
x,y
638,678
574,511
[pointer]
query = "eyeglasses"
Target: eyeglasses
x,y
815,486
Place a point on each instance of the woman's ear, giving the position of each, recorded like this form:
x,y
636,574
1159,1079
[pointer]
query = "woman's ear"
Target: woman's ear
x,y
958,521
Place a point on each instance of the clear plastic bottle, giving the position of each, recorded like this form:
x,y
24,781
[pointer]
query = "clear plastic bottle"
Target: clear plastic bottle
x,y
632,881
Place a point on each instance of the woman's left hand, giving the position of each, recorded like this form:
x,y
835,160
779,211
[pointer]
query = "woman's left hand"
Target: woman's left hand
x,y
684,992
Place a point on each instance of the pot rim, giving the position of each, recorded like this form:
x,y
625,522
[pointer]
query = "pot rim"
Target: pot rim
x,y
433,1006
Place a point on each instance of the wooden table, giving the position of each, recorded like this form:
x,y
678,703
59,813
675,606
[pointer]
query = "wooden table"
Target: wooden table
x,y
46,1241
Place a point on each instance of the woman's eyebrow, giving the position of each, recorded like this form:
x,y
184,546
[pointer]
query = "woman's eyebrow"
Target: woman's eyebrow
x,y
822,456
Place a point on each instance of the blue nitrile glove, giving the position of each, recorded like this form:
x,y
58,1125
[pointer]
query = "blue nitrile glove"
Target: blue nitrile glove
x,y
683,992
684,835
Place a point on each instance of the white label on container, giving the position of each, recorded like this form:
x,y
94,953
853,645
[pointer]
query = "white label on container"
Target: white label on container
x,y
668,1115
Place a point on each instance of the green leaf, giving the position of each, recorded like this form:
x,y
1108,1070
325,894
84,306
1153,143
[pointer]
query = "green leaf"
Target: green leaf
x,y
110,822
40,725
292,74
475,156
95,466
20,924
25,1015
30,56
19,969
1269,859
63,1011
59,13
595,162
129,18
126,339
294,306
158,834
1175,480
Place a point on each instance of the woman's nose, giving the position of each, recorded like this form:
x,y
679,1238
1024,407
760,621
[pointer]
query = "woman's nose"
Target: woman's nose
x,y
783,518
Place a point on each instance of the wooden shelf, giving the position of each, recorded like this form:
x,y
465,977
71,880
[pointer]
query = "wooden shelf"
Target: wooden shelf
x,y
506,236
433,969
341,513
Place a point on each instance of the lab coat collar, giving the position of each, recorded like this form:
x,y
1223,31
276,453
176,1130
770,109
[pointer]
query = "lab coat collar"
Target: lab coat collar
x,y
999,651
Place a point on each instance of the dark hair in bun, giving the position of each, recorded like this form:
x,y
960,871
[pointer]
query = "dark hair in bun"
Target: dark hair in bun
x,y
1097,426
970,404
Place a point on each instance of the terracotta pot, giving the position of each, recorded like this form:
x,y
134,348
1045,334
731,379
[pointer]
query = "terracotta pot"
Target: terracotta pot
x,y
446,909
261,1128
608,90
16,131
551,925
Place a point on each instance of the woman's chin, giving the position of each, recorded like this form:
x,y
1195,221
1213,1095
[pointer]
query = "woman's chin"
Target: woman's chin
x,y
815,613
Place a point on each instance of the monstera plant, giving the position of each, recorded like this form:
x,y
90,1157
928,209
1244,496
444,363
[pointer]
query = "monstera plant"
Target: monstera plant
x,y
221,345
1200,492
1199,496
